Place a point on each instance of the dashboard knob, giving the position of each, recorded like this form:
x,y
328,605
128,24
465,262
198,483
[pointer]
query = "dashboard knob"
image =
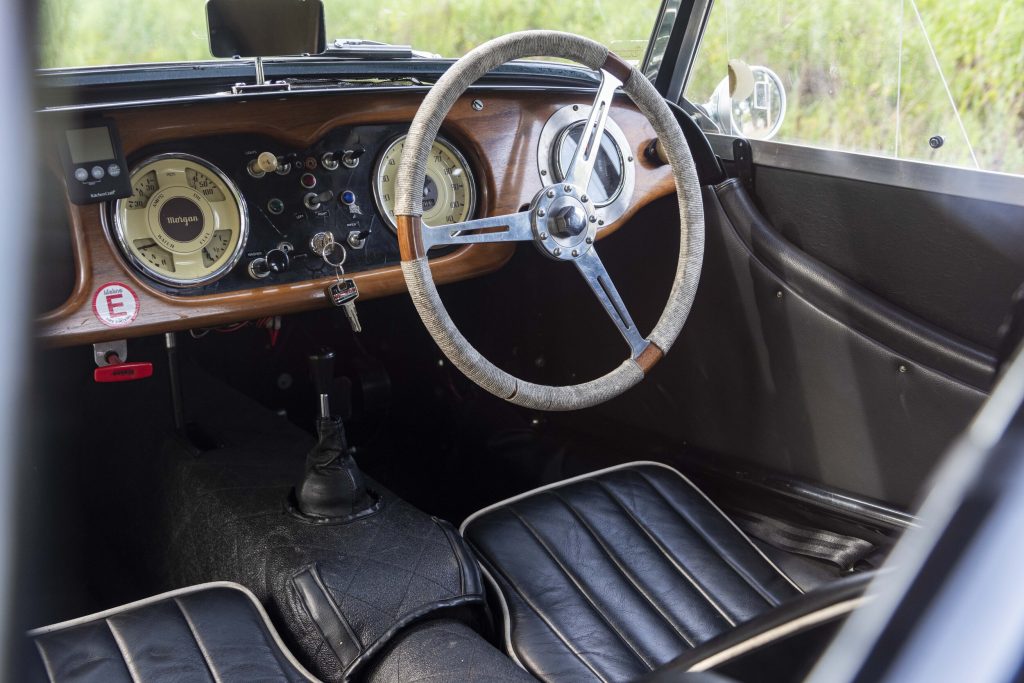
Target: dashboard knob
x,y
277,260
265,163
258,268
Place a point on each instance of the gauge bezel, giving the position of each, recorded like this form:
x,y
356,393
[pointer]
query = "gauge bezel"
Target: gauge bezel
x,y
553,135
162,278
459,156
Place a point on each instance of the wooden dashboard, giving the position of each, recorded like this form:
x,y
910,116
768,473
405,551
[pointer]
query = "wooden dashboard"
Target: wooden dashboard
x,y
500,140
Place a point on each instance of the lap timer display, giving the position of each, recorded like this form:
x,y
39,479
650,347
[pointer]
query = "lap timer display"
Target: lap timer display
x,y
94,163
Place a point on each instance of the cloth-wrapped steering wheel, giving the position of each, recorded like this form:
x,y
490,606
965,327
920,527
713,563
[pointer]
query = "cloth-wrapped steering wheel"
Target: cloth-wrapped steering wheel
x,y
560,220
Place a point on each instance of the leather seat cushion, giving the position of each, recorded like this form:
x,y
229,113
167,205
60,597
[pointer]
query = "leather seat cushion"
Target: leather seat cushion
x,y
608,576
213,632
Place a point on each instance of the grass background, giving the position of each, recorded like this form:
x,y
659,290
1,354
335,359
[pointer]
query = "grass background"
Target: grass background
x,y
842,61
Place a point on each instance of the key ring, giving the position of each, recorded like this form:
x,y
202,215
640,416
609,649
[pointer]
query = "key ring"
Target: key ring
x,y
329,255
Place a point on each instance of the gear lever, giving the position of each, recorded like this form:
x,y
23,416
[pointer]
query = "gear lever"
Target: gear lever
x,y
332,486
321,369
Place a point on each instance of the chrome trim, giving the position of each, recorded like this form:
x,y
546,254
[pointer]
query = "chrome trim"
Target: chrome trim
x,y
695,24
550,139
145,268
991,186
662,33
227,96
443,142
843,503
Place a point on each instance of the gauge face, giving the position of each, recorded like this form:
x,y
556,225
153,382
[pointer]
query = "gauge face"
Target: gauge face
x,y
449,190
609,171
185,223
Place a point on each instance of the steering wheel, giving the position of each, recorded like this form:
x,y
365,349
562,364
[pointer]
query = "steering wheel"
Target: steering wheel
x,y
560,220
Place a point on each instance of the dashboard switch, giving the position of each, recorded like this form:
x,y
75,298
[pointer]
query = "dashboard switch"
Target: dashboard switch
x,y
348,197
313,201
308,181
329,161
351,157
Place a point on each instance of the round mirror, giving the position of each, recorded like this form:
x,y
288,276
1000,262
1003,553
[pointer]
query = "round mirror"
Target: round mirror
x,y
749,102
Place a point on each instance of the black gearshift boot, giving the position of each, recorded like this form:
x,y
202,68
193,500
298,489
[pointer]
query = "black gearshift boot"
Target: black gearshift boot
x,y
333,485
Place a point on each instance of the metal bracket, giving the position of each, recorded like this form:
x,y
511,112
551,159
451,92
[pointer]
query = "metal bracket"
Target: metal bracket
x,y
103,350
743,157
273,86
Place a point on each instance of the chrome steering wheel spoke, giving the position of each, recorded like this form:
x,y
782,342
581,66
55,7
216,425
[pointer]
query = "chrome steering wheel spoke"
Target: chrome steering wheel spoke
x,y
594,272
515,227
582,166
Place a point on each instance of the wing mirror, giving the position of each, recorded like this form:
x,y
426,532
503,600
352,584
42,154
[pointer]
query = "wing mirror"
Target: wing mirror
x,y
750,102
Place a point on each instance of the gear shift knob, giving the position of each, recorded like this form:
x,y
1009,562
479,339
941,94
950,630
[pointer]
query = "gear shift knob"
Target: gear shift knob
x,y
321,370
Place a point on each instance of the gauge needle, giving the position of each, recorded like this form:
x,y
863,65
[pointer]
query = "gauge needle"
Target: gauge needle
x,y
267,218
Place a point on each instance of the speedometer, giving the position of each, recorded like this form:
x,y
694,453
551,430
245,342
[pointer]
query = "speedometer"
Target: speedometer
x,y
449,190
185,223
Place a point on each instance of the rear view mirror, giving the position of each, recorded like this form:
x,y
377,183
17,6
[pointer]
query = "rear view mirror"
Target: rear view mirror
x,y
265,28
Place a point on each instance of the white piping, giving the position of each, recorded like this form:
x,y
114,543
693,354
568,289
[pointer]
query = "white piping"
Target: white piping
x,y
639,463
505,617
777,633
188,590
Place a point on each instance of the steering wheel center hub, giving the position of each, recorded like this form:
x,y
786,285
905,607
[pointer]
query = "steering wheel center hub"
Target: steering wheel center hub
x,y
564,223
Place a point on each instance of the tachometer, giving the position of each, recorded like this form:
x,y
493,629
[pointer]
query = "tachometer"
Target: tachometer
x,y
449,190
185,223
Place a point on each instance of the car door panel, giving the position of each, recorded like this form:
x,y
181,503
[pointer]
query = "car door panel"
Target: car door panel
x,y
953,261
790,365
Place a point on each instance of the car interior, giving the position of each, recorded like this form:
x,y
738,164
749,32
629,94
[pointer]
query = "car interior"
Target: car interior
x,y
313,409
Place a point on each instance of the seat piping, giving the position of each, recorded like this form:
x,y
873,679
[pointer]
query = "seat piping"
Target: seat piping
x,y
637,463
188,590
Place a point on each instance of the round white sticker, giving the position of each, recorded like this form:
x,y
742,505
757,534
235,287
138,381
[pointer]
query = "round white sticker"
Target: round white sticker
x,y
115,304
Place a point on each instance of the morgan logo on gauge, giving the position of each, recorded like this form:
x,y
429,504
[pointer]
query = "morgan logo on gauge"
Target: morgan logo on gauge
x,y
181,219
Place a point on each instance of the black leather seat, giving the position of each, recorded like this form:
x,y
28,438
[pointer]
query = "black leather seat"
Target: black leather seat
x,y
211,632
611,576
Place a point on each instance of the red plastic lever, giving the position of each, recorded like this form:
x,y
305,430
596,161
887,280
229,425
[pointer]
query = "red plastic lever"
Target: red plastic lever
x,y
122,372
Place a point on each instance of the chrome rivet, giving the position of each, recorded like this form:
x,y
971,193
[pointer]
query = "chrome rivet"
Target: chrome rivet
x,y
593,218
630,159
903,368
551,193
575,107
541,212
600,222
557,252
575,252
584,198
543,172
778,294
543,235
590,240
568,188
478,105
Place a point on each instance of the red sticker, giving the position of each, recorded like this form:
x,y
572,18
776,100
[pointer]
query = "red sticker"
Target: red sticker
x,y
115,304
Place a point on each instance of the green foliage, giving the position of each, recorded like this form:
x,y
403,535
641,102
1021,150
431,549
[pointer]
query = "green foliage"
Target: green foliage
x,y
840,60
842,66
79,32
